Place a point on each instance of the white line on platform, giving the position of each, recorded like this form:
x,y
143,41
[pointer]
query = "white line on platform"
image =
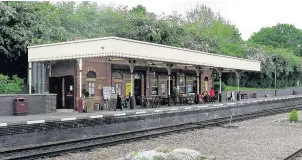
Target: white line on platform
x,y
188,108
37,121
174,109
202,106
141,112
3,124
231,103
158,110
120,114
97,116
69,119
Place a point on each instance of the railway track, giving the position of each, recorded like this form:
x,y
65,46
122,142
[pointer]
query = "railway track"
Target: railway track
x,y
295,156
56,149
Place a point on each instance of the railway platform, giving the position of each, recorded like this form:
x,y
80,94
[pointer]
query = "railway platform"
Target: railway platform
x,y
74,115
35,130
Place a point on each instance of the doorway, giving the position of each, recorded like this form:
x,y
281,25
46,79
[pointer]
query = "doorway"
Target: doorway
x,y
55,87
137,88
69,92
64,88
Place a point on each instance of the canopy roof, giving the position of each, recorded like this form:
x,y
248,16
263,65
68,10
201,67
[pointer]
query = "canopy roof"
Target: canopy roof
x,y
126,48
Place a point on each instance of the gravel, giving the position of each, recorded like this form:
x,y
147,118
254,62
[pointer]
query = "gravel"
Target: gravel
x,y
262,139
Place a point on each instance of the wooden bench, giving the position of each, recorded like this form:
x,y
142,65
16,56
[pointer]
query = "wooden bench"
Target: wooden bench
x,y
243,96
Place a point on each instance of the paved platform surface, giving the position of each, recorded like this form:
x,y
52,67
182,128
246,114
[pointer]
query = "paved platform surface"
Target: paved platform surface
x,y
73,115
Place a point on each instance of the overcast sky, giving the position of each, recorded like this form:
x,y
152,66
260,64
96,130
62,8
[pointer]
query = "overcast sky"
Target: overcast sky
x,y
248,15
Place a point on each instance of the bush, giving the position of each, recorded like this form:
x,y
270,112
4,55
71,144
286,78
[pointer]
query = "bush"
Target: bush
x,y
293,116
216,86
14,85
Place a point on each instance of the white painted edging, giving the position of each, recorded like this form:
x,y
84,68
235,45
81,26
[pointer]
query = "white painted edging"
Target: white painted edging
x,y
3,124
174,109
97,116
187,108
158,111
119,114
35,122
69,119
140,112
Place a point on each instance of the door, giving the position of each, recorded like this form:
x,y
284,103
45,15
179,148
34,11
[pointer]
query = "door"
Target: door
x,y
69,92
55,87
137,90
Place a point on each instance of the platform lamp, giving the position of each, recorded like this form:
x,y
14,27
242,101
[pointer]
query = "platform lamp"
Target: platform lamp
x,y
275,62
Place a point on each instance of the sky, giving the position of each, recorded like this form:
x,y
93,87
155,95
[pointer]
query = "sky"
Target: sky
x,y
249,16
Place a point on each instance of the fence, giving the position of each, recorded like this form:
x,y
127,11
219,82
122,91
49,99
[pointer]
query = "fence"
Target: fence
x,y
263,93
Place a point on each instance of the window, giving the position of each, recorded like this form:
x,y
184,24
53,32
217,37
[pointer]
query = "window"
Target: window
x,y
153,83
182,84
91,88
91,78
91,74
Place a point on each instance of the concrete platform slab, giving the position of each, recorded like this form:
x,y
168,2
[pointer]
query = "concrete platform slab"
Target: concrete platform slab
x,y
74,115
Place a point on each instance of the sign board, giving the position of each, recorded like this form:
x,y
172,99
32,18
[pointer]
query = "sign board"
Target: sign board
x,y
107,92
128,89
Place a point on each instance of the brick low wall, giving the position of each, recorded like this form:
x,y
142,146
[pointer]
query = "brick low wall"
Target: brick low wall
x,y
36,103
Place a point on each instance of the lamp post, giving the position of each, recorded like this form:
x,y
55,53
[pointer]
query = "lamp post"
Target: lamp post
x,y
275,76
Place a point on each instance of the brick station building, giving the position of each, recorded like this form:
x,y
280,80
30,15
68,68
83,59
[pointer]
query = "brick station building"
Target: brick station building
x,y
71,68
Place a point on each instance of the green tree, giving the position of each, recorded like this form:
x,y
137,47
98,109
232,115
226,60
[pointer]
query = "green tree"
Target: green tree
x,y
139,10
280,36
12,85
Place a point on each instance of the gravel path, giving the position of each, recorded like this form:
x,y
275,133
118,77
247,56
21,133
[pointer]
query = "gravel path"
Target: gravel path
x,y
261,139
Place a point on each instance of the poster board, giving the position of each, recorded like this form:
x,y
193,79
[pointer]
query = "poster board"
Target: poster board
x,y
128,89
107,92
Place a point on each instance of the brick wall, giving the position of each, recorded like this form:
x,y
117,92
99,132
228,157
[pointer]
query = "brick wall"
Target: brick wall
x,y
36,103
104,77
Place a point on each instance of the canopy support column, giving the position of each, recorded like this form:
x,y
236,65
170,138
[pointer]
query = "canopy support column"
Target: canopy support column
x,y
169,68
238,84
219,71
132,98
49,67
29,77
198,70
80,102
